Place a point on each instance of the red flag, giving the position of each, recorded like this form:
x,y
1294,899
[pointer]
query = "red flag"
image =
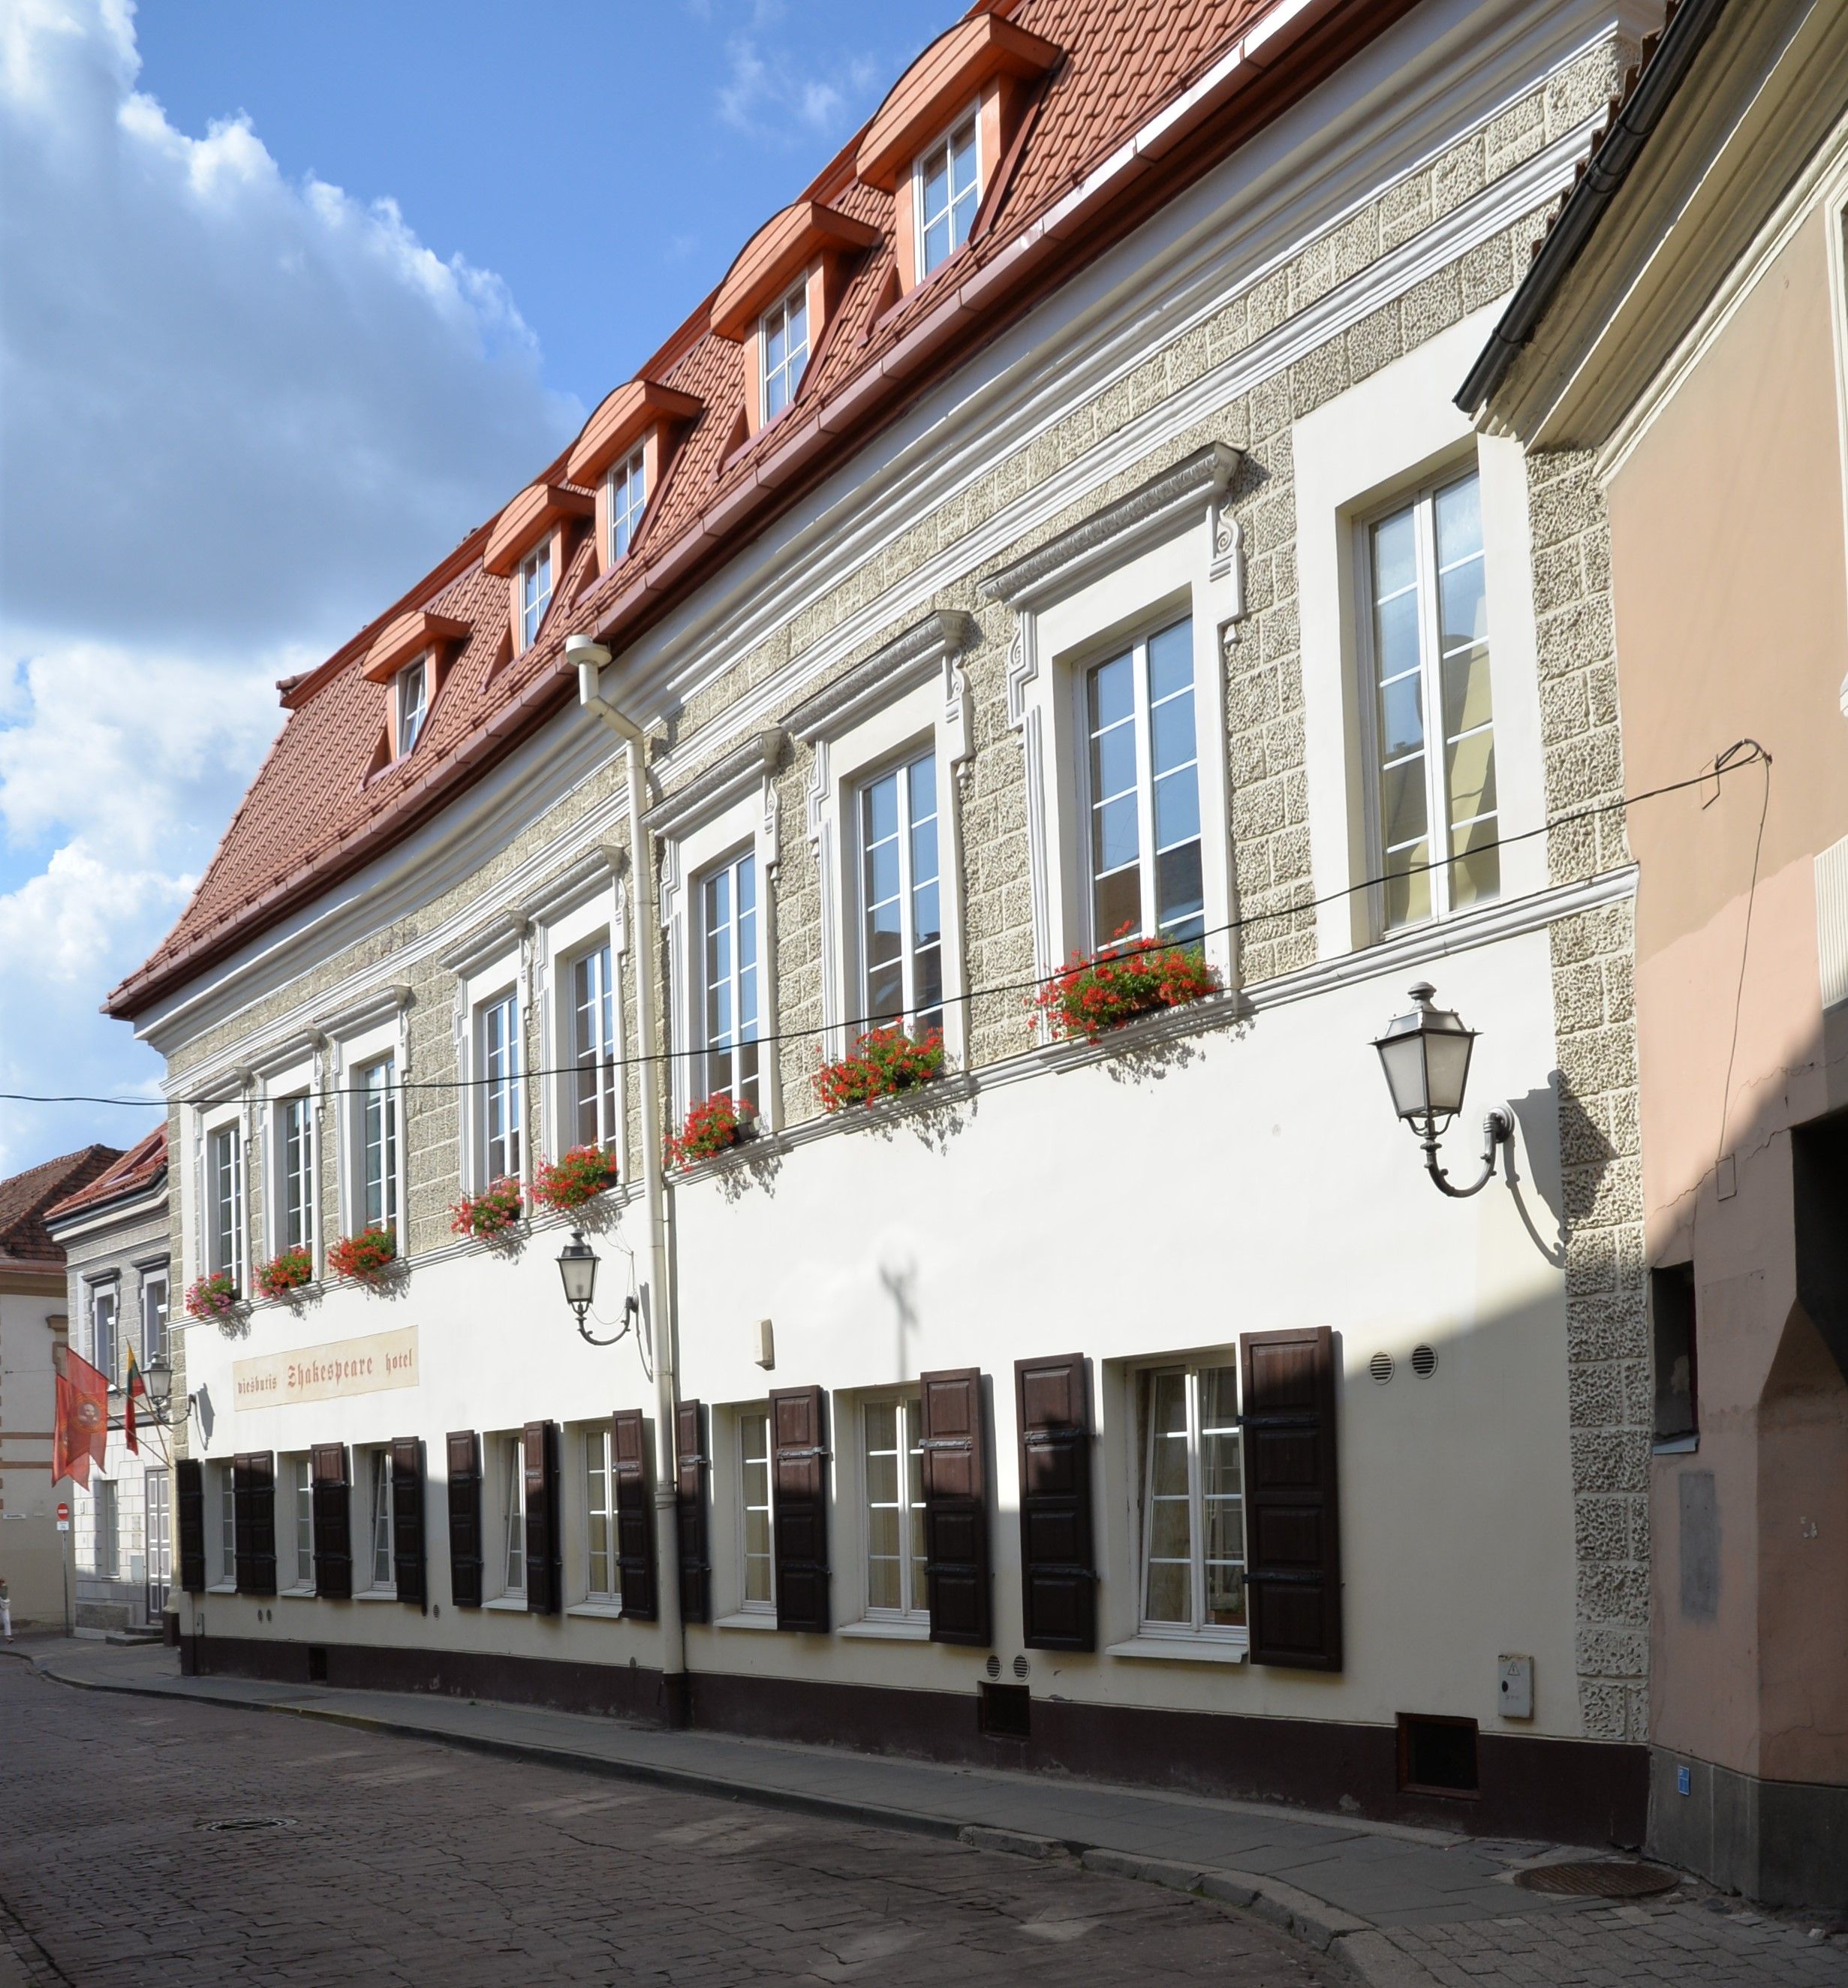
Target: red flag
x,y
80,1431
132,1386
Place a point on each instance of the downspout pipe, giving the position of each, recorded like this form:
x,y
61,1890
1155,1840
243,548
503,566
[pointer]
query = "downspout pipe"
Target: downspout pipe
x,y
590,656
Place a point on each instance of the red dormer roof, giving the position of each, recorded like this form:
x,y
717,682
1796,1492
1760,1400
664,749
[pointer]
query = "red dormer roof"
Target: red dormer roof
x,y
777,254
1170,74
410,636
140,1168
621,420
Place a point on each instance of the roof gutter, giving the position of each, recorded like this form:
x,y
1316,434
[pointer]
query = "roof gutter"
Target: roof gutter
x,y
1683,38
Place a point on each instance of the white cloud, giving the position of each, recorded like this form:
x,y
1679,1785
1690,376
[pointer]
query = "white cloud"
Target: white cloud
x,y
238,414
767,96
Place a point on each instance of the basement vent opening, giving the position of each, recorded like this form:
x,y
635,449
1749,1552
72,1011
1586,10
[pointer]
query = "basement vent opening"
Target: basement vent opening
x,y
1022,1667
1380,1367
1424,1362
993,1667
1437,1757
1004,1711
317,1663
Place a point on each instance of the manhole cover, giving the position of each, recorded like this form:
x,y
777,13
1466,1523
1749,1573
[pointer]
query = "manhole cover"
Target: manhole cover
x,y
1597,1881
230,1824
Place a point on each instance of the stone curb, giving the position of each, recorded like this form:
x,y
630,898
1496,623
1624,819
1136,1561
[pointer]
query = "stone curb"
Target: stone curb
x,y
1362,1948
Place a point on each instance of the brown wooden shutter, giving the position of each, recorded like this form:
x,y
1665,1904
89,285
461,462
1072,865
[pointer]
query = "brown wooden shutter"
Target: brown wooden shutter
x,y
244,1555
1293,1534
628,1449
689,1512
407,1519
1058,1575
189,1497
333,1523
956,1507
464,1519
798,1496
545,1570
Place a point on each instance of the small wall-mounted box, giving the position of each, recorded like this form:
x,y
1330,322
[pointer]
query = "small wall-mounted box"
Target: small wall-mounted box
x,y
765,1336
1514,1679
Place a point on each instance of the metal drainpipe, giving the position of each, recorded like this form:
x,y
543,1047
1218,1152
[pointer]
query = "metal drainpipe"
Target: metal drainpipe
x,y
654,1190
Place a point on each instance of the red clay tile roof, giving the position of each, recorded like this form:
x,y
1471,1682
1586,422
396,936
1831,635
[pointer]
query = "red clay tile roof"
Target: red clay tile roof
x,y
26,1200
325,801
140,1167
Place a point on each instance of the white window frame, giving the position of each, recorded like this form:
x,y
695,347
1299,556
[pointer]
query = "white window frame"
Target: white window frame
x,y
222,1530
1420,501
1139,1400
790,369
1135,644
510,1513
374,1476
298,1094
106,1292
598,1452
915,1604
391,1141
945,140
1394,432
753,1413
214,1253
409,717
745,960
628,500
155,1331
499,1099
296,1490
532,603
1080,615
595,915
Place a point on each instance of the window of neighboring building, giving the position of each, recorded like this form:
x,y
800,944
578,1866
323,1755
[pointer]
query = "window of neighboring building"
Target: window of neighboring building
x,y
383,1578
105,1339
377,1124
224,1200
902,928
535,593
894,1465
728,953
949,188
1671,1314
1433,771
228,1526
784,339
628,500
295,1173
593,1050
757,1520
1144,796
513,1517
298,1485
1193,1501
153,1314
156,1494
497,1045
604,1577
103,1513
412,703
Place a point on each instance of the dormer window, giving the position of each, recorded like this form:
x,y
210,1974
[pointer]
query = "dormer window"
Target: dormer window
x,y
784,342
412,701
536,592
948,187
628,497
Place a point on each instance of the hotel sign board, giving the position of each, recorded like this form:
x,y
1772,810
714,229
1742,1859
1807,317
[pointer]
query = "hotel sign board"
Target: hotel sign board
x,y
319,1372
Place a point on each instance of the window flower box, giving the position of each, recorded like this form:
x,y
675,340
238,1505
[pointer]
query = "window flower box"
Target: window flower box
x,y
710,1128
363,1258
215,1297
490,1213
581,1176
884,1063
286,1272
1126,979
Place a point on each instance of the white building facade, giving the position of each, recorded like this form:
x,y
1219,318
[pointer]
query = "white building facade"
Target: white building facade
x,y
1133,1406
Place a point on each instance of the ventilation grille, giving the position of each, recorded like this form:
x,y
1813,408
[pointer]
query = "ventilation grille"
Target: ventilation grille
x,y
1022,1667
993,1667
1380,1367
1424,1362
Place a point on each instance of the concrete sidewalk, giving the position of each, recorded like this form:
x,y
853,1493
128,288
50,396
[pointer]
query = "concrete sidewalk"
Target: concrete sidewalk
x,y
1402,1908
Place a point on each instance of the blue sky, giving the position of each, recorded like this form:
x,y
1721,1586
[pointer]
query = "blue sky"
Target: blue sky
x,y
299,291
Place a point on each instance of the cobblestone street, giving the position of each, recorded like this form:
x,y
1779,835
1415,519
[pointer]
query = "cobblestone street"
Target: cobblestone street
x,y
398,1862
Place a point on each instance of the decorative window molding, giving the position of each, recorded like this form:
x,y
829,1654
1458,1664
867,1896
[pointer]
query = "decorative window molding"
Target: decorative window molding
x,y
1170,548
721,784
913,689
582,909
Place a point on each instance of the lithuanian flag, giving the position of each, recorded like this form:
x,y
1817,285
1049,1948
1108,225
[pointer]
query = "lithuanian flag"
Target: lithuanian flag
x,y
132,1385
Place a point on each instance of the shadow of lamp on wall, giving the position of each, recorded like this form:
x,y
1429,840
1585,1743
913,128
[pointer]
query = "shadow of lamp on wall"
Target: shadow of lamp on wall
x,y
1425,1055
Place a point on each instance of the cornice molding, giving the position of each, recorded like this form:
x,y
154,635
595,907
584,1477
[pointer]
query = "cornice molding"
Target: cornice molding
x,y
731,778
591,871
506,935
379,1004
891,670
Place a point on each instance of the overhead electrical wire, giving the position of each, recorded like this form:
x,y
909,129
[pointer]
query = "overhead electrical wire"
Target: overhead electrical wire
x,y
1742,753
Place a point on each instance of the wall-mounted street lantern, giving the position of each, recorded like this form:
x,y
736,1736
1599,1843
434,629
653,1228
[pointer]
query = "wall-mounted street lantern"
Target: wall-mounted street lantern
x,y
1425,1055
577,1266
